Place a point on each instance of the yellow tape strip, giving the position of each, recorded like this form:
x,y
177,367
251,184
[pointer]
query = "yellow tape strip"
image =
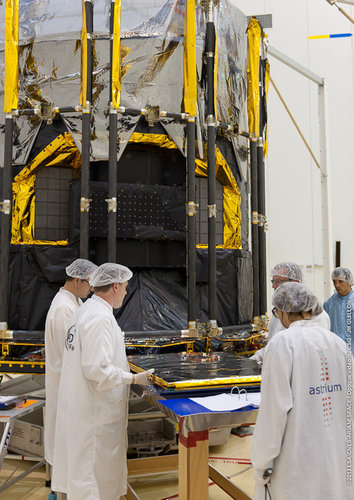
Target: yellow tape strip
x,y
221,381
11,56
116,73
83,88
216,73
267,78
252,379
253,99
189,60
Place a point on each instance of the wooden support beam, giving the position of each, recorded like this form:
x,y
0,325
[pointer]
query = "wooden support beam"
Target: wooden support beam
x,y
131,495
193,453
228,486
152,465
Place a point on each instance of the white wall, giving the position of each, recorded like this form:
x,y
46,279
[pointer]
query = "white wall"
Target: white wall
x,y
293,180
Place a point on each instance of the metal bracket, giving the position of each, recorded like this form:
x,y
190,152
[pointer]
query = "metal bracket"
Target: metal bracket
x,y
265,223
47,112
5,334
257,323
213,330
112,204
190,333
112,110
85,204
152,115
86,108
205,4
211,121
254,218
5,207
192,208
212,210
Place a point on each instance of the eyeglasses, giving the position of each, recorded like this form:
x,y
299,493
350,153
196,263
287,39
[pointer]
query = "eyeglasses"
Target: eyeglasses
x,y
275,312
278,282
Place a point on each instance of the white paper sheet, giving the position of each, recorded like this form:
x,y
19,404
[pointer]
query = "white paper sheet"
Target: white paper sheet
x,y
7,399
229,402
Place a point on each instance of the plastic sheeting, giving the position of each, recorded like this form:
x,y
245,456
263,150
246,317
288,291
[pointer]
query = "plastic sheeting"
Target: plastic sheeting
x,y
36,274
152,50
156,299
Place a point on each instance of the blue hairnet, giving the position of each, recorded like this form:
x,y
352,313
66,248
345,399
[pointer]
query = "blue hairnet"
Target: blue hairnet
x,y
287,270
80,268
342,273
296,297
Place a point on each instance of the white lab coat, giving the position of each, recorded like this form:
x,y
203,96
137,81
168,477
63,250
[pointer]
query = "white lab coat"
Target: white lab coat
x,y
62,308
276,326
92,418
301,427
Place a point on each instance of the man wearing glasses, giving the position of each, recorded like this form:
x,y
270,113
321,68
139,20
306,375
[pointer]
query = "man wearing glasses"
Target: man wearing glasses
x,y
283,273
63,306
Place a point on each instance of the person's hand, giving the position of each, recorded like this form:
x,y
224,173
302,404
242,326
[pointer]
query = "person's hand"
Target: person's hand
x,y
143,378
258,356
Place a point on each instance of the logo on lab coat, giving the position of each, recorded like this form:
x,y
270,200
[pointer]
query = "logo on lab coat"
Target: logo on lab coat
x,y
70,338
321,389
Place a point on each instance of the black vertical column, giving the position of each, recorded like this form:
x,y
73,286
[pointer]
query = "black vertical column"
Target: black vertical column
x,y
262,230
254,228
191,224
86,142
262,226
6,219
210,54
338,244
112,163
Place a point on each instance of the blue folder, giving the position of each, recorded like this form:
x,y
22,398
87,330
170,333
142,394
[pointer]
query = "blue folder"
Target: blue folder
x,y
183,407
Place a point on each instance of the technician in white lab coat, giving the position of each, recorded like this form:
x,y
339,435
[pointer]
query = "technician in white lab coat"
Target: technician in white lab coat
x,y
285,272
92,418
302,423
62,308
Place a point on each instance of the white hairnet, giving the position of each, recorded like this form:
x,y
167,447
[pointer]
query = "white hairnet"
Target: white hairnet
x,y
110,273
80,268
342,273
296,297
287,270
